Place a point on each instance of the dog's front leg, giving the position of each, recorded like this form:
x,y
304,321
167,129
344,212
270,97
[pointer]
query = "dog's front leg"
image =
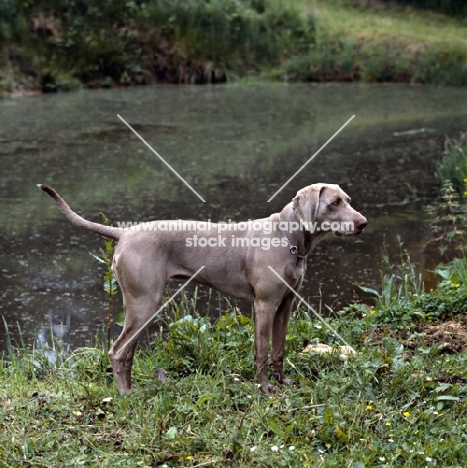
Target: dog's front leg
x,y
279,330
264,317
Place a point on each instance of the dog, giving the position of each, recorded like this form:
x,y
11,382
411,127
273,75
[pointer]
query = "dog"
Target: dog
x,y
260,261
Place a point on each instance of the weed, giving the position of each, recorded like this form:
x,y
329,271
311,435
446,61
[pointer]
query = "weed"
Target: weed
x,y
110,282
453,166
448,219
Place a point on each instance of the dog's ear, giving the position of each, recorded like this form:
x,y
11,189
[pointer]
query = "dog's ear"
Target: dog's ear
x,y
306,202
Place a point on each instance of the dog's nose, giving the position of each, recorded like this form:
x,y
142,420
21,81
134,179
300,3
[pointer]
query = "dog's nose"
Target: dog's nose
x,y
362,223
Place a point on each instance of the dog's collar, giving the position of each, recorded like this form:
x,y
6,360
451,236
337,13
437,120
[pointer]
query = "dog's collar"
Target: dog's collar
x,y
292,248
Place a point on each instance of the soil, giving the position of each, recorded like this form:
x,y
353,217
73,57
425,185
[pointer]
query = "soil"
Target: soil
x,y
450,336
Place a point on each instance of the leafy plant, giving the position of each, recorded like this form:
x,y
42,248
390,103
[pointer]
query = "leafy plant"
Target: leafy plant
x,y
452,168
399,282
448,219
110,282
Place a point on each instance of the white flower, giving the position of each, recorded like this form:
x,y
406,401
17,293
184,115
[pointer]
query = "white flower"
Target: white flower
x,y
381,459
292,447
428,459
252,449
391,440
274,448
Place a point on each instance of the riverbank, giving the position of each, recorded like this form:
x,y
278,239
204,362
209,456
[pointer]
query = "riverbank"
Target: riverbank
x,y
47,47
401,401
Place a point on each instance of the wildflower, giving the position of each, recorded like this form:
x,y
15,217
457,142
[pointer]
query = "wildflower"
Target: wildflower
x,y
292,448
369,407
274,448
457,285
391,440
372,312
428,459
465,180
189,457
465,193
406,413
252,449
388,423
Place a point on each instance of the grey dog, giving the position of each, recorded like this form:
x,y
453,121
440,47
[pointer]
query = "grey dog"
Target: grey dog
x,y
145,259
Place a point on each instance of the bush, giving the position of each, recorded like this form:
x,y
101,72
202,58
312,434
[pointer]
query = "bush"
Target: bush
x,y
116,41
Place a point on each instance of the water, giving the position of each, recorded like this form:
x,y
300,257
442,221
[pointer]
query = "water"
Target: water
x,y
236,145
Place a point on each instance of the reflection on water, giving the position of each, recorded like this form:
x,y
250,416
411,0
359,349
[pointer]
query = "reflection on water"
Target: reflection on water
x,y
236,145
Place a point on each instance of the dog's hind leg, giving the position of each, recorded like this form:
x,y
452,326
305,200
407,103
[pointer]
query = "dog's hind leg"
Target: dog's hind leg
x,y
138,313
142,296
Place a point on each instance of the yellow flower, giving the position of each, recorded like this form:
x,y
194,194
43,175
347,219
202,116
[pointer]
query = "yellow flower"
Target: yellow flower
x,y
369,407
457,285
372,312
189,457
465,180
465,193
388,423
406,413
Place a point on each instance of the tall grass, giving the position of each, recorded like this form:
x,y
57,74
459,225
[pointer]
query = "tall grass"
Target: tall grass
x,y
350,60
114,41
452,166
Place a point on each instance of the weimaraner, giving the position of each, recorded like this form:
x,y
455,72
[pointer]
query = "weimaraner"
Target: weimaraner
x,y
235,263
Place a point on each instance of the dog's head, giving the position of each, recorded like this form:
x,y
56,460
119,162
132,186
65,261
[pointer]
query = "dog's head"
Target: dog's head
x,y
326,207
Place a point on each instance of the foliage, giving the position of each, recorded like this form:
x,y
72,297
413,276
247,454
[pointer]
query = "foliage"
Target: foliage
x,y
60,45
399,403
448,219
403,302
110,282
350,60
453,165
105,42
450,7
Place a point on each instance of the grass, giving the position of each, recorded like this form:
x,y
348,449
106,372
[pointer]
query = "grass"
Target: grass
x,y
55,45
400,402
380,22
453,165
376,42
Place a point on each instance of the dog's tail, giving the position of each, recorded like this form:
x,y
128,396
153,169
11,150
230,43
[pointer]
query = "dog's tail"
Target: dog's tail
x,y
106,231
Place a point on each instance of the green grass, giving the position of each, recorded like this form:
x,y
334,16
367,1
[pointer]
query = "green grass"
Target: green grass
x,y
453,165
61,45
381,22
400,402
376,42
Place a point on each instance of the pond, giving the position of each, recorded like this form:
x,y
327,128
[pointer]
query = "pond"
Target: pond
x,y
236,145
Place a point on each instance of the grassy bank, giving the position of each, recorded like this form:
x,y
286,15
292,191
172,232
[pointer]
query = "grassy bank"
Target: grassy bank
x,y
379,42
53,45
400,402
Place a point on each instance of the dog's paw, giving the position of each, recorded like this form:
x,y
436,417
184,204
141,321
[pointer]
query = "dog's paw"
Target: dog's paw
x,y
279,376
270,389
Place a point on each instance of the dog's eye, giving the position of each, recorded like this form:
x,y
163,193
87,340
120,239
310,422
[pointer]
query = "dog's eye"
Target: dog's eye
x,y
336,202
